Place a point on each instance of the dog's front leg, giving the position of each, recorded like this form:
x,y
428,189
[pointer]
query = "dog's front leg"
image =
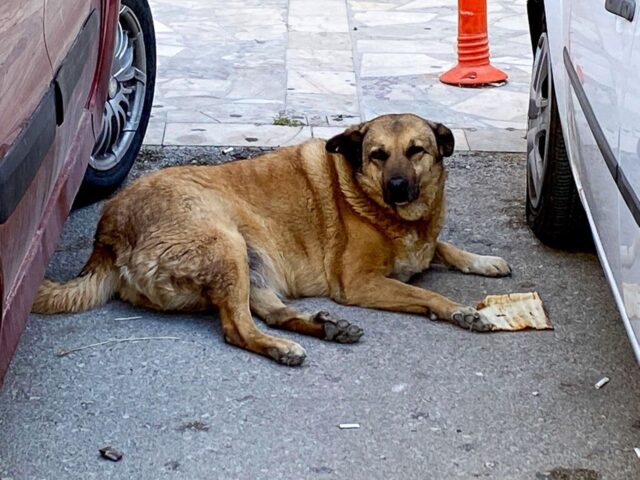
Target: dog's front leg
x,y
389,294
468,262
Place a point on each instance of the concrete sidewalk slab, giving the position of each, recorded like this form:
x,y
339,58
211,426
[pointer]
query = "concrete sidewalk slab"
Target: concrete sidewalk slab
x,y
250,62
231,134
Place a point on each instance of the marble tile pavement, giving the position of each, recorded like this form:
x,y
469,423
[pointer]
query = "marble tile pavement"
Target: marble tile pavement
x,y
275,72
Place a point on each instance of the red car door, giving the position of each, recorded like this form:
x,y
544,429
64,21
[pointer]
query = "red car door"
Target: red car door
x,y
26,69
27,128
71,30
55,62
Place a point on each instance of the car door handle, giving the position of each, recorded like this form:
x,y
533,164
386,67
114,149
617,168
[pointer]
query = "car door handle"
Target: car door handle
x,y
622,8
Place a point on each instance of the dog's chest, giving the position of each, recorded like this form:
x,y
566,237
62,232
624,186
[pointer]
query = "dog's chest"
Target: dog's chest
x,y
413,255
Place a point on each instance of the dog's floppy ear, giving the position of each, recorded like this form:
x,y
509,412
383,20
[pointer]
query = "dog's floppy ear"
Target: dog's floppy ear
x,y
444,138
349,144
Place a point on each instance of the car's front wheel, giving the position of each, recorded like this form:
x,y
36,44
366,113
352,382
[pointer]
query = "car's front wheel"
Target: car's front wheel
x,y
553,208
128,106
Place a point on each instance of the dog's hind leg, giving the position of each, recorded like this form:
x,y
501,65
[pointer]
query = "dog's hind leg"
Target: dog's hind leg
x,y
224,273
266,304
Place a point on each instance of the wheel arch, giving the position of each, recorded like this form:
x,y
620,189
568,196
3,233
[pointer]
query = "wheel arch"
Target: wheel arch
x,y
536,18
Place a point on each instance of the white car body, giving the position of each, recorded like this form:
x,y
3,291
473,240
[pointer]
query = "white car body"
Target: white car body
x,y
596,70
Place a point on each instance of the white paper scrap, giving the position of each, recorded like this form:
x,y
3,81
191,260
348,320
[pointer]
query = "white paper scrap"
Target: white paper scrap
x,y
349,426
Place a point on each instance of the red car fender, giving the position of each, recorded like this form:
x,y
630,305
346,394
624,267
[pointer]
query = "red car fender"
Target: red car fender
x,y
98,95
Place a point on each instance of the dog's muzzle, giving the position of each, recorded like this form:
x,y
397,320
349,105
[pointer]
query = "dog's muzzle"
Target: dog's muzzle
x,y
399,191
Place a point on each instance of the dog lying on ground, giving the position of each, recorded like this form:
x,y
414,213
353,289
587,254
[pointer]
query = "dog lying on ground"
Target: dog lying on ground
x,y
350,218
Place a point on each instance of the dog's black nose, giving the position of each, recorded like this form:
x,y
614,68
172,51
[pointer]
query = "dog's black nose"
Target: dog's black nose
x,y
398,189
398,183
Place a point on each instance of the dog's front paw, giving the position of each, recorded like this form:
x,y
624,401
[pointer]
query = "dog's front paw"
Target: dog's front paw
x,y
471,319
490,266
336,330
288,353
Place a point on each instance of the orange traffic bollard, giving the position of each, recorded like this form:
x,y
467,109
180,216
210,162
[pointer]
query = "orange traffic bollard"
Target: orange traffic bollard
x,y
473,68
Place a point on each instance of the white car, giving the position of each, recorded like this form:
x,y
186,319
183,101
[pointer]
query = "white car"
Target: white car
x,y
583,138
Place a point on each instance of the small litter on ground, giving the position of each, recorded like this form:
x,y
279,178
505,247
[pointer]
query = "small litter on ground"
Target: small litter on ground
x,y
348,426
64,353
601,383
515,311
111,453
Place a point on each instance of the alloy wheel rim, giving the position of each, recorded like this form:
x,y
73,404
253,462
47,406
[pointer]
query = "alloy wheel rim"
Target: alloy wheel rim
x,y
127,87
539,122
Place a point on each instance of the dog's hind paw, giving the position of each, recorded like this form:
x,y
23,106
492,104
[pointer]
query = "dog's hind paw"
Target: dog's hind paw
x,y
290,354
471,319
340,331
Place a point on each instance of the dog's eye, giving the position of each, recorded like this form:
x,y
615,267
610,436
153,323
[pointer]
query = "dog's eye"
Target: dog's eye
x,y
379,155
414,150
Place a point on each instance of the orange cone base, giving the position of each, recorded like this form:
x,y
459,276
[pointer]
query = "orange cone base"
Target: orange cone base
x,y
473,76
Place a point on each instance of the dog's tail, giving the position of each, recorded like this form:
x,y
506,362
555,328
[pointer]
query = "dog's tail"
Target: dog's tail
x,y
96,284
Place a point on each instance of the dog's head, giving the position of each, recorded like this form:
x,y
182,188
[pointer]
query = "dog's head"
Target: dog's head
x,y
397,160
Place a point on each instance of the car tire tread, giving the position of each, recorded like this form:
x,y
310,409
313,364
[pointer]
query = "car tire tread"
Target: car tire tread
x,y
96,184
559,219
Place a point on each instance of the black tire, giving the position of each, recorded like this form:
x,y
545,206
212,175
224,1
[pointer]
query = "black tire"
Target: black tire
x,y
100,183
555,214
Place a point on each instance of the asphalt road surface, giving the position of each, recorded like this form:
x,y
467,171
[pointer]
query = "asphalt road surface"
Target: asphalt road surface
x,y
432,401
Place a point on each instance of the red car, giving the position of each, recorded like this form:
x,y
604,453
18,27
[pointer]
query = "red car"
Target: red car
x,y
76,88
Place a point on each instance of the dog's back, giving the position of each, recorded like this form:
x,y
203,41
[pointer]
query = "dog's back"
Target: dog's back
x,y
276,204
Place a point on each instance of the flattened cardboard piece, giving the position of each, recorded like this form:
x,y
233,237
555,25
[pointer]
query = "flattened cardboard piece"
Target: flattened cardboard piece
x,y
515,311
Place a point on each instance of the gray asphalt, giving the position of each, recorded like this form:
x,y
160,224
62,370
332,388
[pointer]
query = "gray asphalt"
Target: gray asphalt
x,y
432,401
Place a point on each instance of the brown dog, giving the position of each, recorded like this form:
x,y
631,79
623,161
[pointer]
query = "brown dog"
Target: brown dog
x,y
350,218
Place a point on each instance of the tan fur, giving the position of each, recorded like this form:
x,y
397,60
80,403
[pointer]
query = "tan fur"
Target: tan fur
x,y
297,222
95,286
